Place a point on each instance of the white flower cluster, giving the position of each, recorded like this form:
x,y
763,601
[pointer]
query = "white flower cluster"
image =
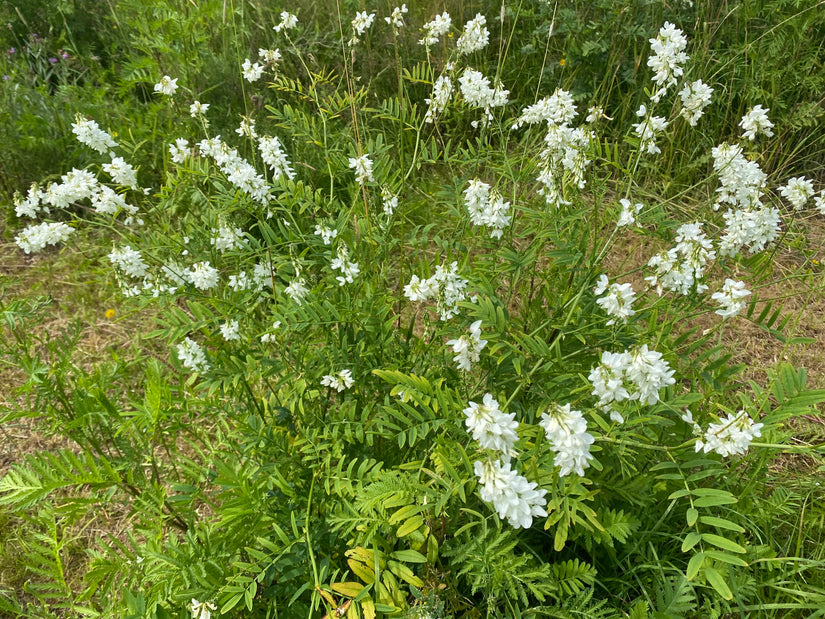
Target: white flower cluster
x,y
349,270
514,498
475,36
756,121
275,157
32,205
340,381
297,289
440,25
270,56
36,237
491,428
628,214
617,299
252,72
819,202
238,171
732,435
203,276
226,238
442,91
567,432
695,98
668,57
396,18
731,298
361,23
446,286
192,355
167,86
486,210
230,330
363,168
648,130
682,266
565,151
797,191
557,109
637,374
754,229
742,180
121,172
326,234
179,150
467,348
389,201
288,22
247,128
475,88
88,132
129,261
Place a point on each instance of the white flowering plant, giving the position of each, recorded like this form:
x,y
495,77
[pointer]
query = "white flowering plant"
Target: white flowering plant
x,y
438,344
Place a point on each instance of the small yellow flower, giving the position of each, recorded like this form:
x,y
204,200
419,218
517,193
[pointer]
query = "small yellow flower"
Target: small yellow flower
x,y
110,313
561,62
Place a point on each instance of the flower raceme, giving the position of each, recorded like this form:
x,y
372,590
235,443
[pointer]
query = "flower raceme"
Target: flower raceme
x,y
491,428
468,347
567,432
515,499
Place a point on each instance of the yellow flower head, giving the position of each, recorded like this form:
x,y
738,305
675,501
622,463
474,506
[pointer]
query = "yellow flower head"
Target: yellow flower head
x,y
110,313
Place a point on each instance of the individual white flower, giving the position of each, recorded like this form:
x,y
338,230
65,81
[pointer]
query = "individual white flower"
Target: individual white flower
x,y
732,435
270,56
514,498
198,109
179,150
695,98
731,298
363,168
755,122
203,276
819,202
340,381
88,132
567,432
438,26
129,261
468,347
349,270
36,237
326,234
167,86
396,18
667,58
121,172
288,22
275,157
252,72
628,215
475,36
229,330
442,91
201,610
594,114
490,427
193,358
798,190
617,300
